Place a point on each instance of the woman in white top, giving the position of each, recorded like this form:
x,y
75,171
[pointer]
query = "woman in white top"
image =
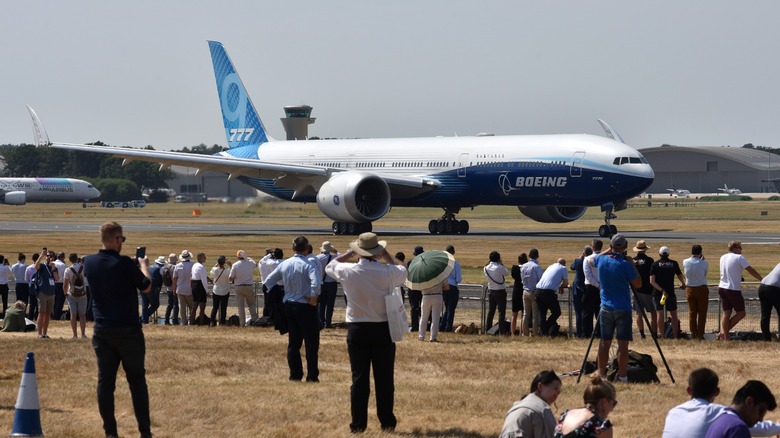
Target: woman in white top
x,y
221,290
5,275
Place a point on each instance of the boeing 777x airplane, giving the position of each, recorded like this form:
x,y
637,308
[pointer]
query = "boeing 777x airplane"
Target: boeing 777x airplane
x,y
549,178
19,191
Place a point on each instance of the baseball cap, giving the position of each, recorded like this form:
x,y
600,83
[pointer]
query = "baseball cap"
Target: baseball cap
x,y
664,250
618,242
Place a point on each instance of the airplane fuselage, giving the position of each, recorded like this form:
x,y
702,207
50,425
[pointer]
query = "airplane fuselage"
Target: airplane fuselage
x,y
49,189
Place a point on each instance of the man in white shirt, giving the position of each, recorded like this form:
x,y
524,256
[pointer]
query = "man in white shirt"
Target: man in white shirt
x,y
696,292
5,276
59,291
267,265
242,275
591,299
182,286
554,280
730,287
22,288
693,418
199,282
496,273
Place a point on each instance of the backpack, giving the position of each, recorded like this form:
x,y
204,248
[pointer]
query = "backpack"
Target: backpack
x,y
35,284
78,283
167,277
641,368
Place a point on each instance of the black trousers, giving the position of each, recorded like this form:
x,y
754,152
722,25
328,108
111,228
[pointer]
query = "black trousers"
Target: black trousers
x,y
415,306
173,306
126,346
22,292
496,300
266,303
547,300
591,303
769,296
220,304
451,298
59,301
4,294
370,347
326,303
303,326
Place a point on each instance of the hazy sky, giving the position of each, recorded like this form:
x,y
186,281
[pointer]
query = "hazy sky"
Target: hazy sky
x,y
138,73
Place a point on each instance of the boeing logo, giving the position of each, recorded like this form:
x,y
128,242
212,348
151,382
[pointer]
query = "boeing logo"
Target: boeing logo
x,y
530,182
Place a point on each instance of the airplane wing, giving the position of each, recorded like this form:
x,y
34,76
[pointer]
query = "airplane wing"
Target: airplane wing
x,y
303,179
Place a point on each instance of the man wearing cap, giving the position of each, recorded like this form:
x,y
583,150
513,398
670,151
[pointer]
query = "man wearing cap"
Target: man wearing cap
x,y
697,293
368,338
662,275
182,286
730,287
415,296
617,274
151,301
301,289
242,275
329,286
643,299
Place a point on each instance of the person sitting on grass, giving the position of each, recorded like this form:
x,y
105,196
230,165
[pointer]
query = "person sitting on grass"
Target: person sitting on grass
x,y
600,399
532,416
14,320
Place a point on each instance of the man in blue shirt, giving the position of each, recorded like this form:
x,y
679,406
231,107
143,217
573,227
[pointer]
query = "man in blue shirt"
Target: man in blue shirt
x,y
451,296
554,280
117,336
617,274
301,288
750,404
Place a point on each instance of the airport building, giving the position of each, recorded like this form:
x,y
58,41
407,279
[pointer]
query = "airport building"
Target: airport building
x,y
296,121
704,169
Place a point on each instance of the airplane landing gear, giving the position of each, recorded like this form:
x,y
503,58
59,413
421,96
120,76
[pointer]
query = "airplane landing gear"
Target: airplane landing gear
x,y
351,228
608,230
448,224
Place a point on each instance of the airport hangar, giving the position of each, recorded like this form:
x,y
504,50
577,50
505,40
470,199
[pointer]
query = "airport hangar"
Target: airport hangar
x,y
705,169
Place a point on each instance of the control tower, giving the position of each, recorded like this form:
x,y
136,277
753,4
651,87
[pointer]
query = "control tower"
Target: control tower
x,y
297,122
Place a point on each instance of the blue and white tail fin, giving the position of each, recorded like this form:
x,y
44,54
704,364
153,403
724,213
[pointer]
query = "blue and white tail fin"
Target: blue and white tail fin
x,y
243,127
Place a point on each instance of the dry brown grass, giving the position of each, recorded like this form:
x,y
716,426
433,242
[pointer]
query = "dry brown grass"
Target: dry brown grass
x,y
233,382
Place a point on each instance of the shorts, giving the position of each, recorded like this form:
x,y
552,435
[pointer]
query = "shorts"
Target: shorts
x,y
616,320
645,302
45,303
77,305
731,300
199,294
671,301
517,300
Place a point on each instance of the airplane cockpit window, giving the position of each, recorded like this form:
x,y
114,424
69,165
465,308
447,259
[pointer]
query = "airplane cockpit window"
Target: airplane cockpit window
x,y
616,161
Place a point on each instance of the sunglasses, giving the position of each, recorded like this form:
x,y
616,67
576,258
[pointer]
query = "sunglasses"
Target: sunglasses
x,y
122,237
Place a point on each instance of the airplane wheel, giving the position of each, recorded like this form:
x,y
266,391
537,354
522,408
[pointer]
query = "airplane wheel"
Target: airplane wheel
x,y
612,230
336,228
433,227
125,205
84,205
604,231
448,227
440,226
353,228
463,227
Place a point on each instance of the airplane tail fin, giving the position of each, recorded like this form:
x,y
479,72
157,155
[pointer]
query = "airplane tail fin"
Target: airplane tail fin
x,y
39,132
243,126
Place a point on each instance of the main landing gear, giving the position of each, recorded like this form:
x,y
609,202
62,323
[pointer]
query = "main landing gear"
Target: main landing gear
x,y
448,224
351,228
608,230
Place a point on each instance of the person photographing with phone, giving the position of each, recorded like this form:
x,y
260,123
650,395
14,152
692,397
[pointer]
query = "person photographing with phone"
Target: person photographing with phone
x,y
117,335
47,274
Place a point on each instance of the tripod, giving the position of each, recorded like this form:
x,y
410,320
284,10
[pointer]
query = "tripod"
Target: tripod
x,y
652,334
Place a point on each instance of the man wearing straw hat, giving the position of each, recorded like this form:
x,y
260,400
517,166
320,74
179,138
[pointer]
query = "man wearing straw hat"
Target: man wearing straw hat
x,y
365,284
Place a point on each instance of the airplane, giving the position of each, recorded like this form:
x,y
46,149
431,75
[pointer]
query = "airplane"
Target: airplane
x,y
19,191
728,191
679,193
549,178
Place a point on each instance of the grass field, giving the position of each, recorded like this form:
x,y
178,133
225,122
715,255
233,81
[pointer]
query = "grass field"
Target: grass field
x,y
233,382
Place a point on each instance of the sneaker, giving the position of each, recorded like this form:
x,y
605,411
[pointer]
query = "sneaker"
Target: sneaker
x,y
74,338
434,340
622,379
84,337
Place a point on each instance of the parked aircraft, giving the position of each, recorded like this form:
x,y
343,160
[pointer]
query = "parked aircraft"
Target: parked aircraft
x,y
679,193
731,192
550,178
19,191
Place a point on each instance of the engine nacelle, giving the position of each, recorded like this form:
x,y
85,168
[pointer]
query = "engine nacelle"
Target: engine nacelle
x,y
551,214
354,197
14,198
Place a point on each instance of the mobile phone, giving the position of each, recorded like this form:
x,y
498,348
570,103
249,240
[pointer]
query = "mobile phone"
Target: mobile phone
x,y
140,252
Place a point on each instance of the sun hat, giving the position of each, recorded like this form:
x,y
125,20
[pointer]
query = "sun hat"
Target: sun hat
x,y
185,255
641,246
160,260
326,247
367,245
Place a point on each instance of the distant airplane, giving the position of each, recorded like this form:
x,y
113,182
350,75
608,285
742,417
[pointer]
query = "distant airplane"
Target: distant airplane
x,y
679,193
731,192
549,178
19,191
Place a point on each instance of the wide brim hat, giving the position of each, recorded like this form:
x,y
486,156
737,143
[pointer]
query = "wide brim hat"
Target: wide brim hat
x,y
641,246
160,260
326,247
185,255
368,245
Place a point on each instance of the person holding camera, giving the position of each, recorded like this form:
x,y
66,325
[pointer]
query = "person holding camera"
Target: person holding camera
x,y
496,274
47,274
117,334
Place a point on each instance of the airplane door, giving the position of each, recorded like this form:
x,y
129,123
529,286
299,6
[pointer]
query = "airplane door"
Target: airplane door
x,y
462,165
576,164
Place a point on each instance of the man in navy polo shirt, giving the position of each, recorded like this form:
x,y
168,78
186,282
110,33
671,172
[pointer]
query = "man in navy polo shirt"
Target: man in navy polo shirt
x,y
117,336
617,274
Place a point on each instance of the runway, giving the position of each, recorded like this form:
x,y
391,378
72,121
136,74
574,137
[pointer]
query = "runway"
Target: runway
x,y
324,230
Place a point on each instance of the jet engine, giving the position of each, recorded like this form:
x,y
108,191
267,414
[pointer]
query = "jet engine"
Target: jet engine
x,y
553,214
354,197
14,198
